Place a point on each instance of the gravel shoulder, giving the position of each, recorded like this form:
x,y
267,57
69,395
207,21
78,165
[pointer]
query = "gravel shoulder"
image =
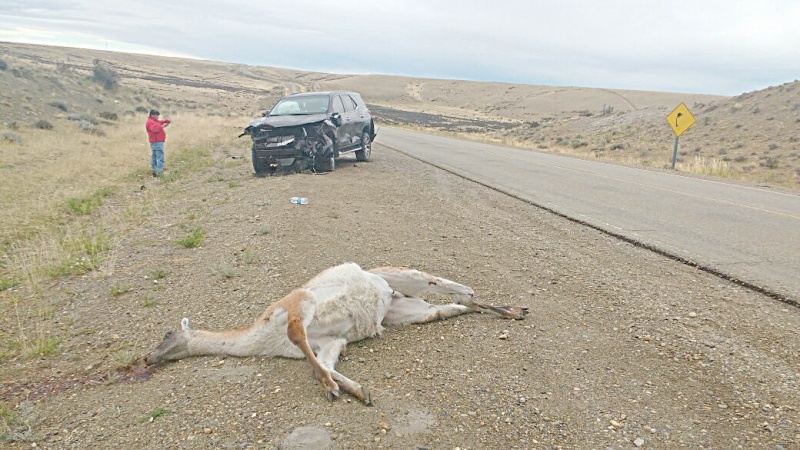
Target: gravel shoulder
x,y
623,348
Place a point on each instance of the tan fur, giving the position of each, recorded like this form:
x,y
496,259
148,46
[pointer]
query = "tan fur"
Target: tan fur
x,y
342,304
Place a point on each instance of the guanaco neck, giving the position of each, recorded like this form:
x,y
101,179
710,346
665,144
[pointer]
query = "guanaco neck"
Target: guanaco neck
x,y
242,342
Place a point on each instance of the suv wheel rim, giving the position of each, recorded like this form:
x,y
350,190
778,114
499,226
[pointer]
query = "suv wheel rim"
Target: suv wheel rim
x,y
367,146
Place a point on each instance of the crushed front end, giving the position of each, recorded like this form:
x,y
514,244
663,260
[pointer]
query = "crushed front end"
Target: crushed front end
x,y
287,149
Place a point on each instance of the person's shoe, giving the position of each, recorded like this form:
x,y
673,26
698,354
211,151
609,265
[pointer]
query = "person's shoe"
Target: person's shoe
x,y
154,173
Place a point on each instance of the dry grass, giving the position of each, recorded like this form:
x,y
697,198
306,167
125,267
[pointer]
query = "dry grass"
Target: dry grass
x,y
705,166
69,197
52,171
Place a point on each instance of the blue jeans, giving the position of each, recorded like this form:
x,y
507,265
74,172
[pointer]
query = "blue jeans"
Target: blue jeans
x,y
157,157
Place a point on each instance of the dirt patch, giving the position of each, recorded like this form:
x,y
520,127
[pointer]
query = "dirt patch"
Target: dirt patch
x,y
622,347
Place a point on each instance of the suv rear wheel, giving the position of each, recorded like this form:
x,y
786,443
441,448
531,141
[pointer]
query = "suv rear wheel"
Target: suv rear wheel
x,y
366,148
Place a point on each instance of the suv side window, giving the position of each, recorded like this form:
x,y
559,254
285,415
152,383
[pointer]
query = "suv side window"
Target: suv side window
x,y
357,99
337,105
349,104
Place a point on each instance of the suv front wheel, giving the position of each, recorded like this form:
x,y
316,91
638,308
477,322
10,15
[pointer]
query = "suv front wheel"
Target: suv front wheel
x,y
366,148
325,163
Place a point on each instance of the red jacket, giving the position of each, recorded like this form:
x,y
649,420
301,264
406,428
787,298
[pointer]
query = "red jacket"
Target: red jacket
x,y
155,129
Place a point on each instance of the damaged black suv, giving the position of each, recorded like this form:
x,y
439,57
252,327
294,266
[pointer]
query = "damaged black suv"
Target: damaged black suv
x,y
308,131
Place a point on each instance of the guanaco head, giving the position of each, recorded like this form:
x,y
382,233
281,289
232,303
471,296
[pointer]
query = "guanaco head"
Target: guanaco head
x,y
174,346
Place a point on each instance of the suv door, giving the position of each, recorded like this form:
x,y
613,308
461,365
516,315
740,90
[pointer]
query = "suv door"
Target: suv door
x,y
342,132
350,121
360,117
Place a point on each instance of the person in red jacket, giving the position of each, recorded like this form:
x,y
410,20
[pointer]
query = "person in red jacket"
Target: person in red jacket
x,y
157,136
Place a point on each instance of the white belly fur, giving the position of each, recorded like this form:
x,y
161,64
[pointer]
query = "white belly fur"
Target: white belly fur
x,y
350,303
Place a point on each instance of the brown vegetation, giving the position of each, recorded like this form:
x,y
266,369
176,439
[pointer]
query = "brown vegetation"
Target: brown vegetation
x,y
753,137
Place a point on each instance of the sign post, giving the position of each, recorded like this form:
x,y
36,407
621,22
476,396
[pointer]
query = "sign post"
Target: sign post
x,y
675,152
680,119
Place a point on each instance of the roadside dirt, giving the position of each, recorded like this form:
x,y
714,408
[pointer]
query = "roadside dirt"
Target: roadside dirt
x,y
623,348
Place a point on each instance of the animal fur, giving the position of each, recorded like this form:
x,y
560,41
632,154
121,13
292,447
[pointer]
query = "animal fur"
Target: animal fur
x,y
340,305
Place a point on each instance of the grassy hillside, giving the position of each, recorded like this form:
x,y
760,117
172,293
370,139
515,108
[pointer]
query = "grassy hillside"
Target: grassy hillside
x,y
753,137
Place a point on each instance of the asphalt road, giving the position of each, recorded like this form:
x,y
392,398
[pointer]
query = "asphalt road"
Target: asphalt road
x,y
749,234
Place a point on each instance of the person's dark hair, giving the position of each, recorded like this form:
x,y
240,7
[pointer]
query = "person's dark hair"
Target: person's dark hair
x,y
154,112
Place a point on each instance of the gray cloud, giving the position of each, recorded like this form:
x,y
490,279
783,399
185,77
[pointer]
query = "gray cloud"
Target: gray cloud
x,y
715,46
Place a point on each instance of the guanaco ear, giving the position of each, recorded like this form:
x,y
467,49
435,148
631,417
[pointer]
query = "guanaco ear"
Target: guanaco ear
x,y
185,323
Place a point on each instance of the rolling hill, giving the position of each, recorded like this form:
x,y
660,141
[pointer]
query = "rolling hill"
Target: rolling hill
x,y
754,137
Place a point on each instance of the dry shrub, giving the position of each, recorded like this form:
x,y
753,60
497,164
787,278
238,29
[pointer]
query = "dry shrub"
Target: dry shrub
x,y
705,166
82,118
59,105
104,74
88,127
43,125
11,137
108,115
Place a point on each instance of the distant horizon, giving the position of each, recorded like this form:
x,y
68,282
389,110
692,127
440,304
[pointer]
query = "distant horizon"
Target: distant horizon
x,y
193,58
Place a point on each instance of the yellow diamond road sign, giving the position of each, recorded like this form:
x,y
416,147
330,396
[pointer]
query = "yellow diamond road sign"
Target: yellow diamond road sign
x,y
680,119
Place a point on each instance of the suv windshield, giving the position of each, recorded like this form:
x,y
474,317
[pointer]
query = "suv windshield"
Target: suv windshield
x,y
291,106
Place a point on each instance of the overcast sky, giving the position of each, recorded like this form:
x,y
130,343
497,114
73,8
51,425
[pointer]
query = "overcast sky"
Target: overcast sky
x,y
725,47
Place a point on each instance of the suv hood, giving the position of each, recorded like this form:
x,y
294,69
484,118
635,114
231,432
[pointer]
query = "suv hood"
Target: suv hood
x,y
288,121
